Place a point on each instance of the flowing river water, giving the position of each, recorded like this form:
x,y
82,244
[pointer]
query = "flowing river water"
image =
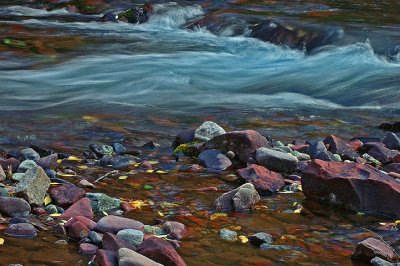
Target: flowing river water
x,y
67,80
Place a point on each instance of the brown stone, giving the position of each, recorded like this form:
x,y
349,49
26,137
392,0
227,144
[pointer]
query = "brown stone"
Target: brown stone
x,y
91,225
78,229
372,247
161,251
264,180
82,207
66,195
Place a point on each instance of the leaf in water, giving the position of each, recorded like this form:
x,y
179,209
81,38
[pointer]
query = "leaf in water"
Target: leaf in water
x,y
168,205
89,118
135,164
74,158
235,227
160,214
243,239
14,43
161,172
152,162
297,211
147,187
397,222
65,175
123,177
106,214
149,171
47,200
55,214
82,167
1,241
137,204
217,215
59,161
382,223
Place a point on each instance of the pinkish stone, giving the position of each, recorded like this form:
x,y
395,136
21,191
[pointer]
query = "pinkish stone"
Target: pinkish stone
x,y
106,258
113,243
160,251
88,249
83,207
114,224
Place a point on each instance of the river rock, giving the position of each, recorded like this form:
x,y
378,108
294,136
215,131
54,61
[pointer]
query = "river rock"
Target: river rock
x,y
355,186
114,224
183,137
82,207
66,195
86,184
276,160
91,225
319,151
118,148
127,257
102,202
392,141
28,154
26,165
11,162
393,167
117,162
101,150
4,192
381,262
135,237
260,238
264,180
214,160
106,258
21,230
153,230
341,147
17,177
3,175
88,249
48,162
161,251
113,243
33,186
207,131
78,229
175,230
228,235
382,154
373,247
243,143
239,199
11,206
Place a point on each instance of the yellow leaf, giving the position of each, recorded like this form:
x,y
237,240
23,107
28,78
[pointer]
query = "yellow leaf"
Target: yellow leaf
x,y
243,239
82,167
89,118
397,222
382,223
168,205
149,171
160,213
136,164
152,162
235,227
1,241
161,172
47,200
217,215
283,237
73,158
59,161
300,188
55,183
64,174
123,177
106,214
55,214
297,211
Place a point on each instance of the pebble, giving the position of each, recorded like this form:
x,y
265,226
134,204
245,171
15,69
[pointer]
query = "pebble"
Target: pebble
x,y
228,235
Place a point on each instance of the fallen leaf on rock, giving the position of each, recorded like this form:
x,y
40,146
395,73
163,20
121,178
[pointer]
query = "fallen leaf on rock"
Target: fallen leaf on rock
x,y
217,215
243,239
47,200
297,211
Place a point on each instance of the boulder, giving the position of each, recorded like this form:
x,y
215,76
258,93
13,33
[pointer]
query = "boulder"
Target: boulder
x,y
66,195
80,208
242,143
127,257
114,224
11,206
382,154
373,247
276,160
239,199
113,243
207,131
102,202
33,186
161,251
341,147
119,148
214,160
264,180
355,186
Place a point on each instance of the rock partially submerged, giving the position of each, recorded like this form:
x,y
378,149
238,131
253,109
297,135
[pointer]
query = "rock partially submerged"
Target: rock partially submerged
x,y
373,247
214,160
276,161
240,199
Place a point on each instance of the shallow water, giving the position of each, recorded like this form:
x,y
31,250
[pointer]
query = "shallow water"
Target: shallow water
x,y
67,80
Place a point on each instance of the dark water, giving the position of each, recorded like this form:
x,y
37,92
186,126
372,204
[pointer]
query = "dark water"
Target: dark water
x,y
67,80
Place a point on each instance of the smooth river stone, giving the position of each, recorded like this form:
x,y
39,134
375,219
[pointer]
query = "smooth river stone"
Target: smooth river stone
x,y
21,230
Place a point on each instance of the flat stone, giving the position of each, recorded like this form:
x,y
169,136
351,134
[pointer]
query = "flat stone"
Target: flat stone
x,y
113,243
276,161
82,207
106,258
88,249
21,230
159,250
132,236
114,224
175,230
127,257
228,235
28,154
239,199
215,160
48,162
264,180
260,238
33,186
102,202
66,195
11,206
371,248
207,131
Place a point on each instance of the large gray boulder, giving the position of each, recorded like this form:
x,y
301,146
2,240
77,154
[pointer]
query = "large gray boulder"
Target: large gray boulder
x,y
207,131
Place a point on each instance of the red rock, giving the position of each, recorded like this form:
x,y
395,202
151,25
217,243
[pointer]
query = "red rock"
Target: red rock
x,y
264,180
78,229
113,243
88,249
175,230
382,154
243,143
106,258
393,167
14,163
356,144
341,147
394,175
91,225
48,162
160,251
66,195
355,186
114,224
39,211
82,207
126,207
300,148
372,247
361,160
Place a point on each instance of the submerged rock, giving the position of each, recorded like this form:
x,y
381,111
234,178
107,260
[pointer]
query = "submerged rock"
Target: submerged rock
x,y
371,248
239,199
102,202
381,262
33,186
21,230
264,180
355,186
207,131
214,160
11,206
260,238
276,161
228,235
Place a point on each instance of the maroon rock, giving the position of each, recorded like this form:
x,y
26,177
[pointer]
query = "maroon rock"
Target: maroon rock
x,y
48,162
14,163
355,186
146,165
175,230
372,247
114,224
83,207
356,144
113,243
11,206
87,249
21,230
66,195
78,229
184,136
341,147
39,211
91,225
160,251
106,258
264,180
126,207
243,143
382,154
393,167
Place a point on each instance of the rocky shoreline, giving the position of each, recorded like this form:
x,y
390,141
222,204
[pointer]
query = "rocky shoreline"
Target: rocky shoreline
x,y
41,190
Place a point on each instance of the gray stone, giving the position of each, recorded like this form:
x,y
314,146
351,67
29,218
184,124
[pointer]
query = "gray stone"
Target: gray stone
x,y
231,155
101,202
17,177
3,192
207,131
261,238
153,230
51,209
118,148
127,257
11,206
28,154
33,186
381,262
135,237
276,161
95,237
392,141
239,199
26,165
319,151
382,154
214,159
228,235
117,162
